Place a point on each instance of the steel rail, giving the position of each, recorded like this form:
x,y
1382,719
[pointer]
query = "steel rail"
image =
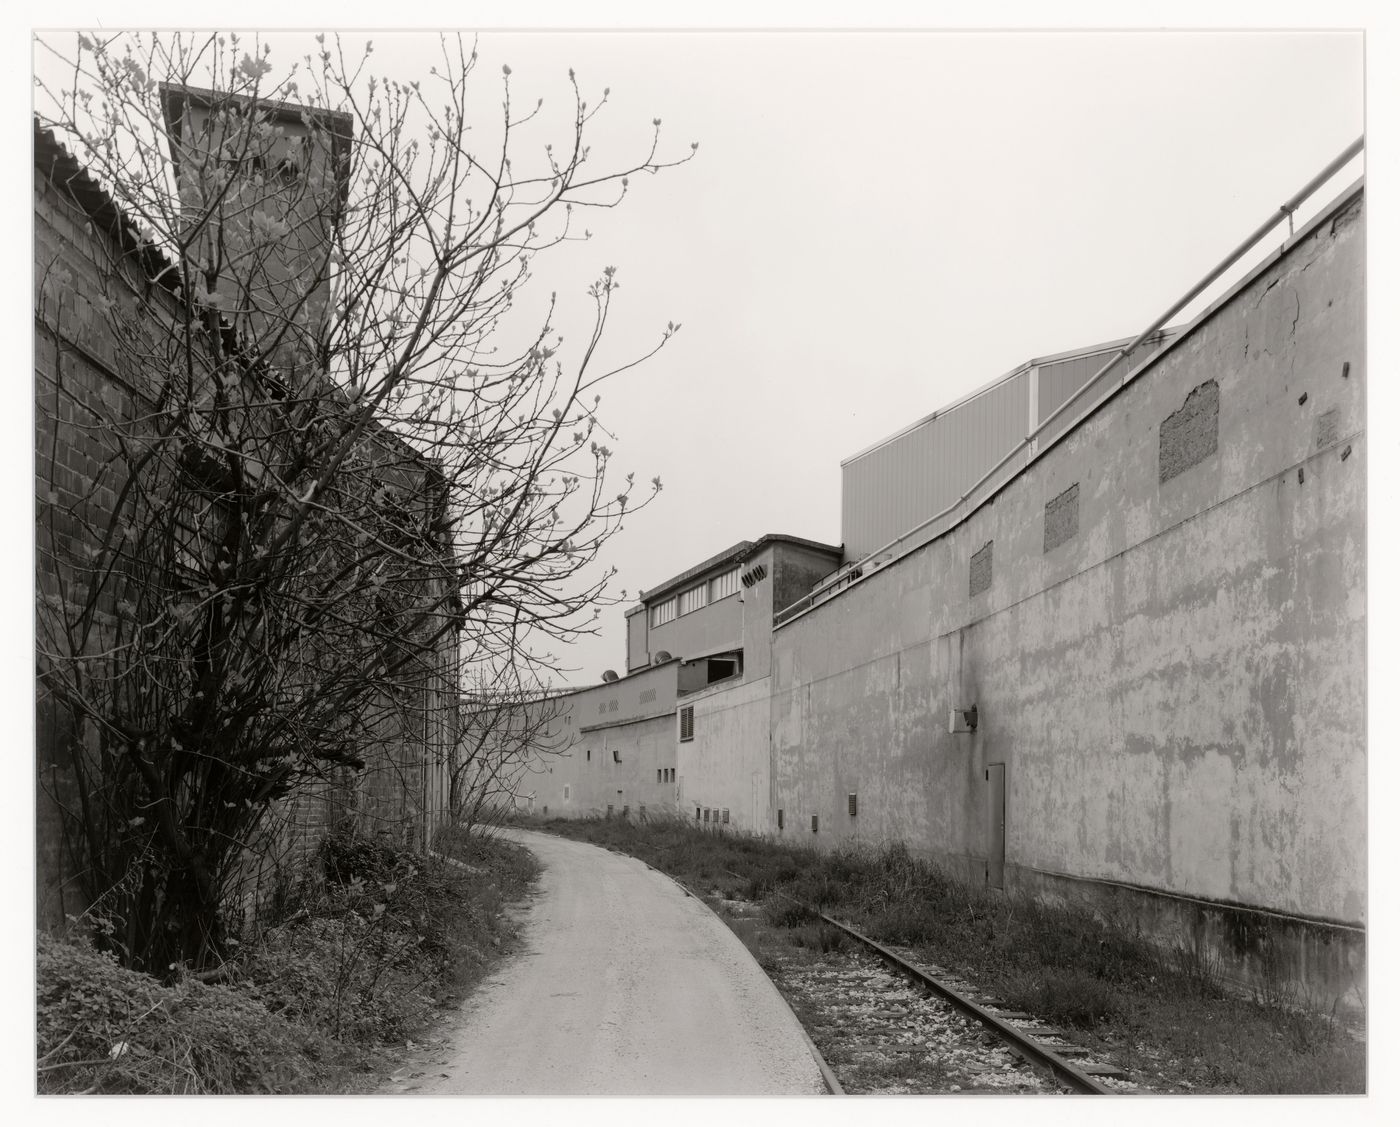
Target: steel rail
x,y
1284,211
1063,1070
1023,1042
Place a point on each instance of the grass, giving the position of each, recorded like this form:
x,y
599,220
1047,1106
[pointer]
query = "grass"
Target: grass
x,y
353,964
1166,1016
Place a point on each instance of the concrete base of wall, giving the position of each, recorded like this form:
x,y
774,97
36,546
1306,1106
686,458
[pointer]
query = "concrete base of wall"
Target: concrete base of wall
x,y
1313,963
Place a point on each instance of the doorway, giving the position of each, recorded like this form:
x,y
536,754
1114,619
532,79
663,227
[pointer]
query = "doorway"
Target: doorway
x,y
996,825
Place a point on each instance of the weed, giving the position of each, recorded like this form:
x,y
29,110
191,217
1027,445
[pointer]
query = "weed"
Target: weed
x,y
780,911
1198,971
820,937
359,959
1061,961
1058,995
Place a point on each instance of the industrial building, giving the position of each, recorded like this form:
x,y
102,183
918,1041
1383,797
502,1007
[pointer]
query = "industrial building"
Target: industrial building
x,y
1096,631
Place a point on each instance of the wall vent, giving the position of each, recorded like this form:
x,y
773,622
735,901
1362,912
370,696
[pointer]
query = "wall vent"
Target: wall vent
x,y
754,575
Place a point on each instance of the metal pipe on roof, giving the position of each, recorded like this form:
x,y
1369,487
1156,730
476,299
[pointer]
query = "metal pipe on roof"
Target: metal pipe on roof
x,y
1285,210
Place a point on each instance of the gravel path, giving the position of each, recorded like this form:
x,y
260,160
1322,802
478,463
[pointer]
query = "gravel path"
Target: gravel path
x,y
627,986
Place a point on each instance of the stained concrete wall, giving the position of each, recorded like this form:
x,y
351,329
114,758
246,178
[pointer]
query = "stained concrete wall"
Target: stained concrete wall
x,y
726,765
1176,689
634,717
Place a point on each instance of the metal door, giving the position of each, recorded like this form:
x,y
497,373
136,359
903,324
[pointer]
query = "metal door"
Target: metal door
x,y
996,824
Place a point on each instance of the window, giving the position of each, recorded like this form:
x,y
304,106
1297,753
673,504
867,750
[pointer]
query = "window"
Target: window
x,y
722,586
610,810
707,813
662,613
697,813
687,723
658,775
851,805
588,755
724,815
617,756
814,821
780,819
693,599
566,792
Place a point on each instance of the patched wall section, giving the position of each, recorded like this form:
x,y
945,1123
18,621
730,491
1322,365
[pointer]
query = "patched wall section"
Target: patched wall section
x,y
979,570
1062,518
1191,435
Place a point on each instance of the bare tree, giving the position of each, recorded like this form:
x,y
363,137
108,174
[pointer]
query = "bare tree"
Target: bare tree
x,y
511,724
299,463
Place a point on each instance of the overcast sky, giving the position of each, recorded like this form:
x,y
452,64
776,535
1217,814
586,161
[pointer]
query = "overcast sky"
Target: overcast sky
x,y
877,222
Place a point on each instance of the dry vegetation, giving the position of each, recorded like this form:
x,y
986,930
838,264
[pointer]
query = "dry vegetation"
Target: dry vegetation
x,y
1165,1017
350,968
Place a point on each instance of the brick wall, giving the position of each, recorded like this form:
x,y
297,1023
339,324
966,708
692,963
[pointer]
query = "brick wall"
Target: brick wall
x,y
81,288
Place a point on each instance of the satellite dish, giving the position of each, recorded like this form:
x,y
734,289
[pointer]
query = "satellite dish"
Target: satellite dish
x,y
609,675
661,658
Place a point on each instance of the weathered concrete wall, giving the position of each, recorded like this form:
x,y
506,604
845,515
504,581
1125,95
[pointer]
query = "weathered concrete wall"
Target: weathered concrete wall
x,y
726,765
1176,687
613,766
634,717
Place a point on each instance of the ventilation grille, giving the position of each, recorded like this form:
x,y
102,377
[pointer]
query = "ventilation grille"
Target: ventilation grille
x,y
753,575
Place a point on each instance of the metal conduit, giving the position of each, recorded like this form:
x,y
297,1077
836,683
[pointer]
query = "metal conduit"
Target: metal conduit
x,y
1285,211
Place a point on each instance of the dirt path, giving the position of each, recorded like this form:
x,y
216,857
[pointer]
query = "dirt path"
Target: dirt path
x,y
626,986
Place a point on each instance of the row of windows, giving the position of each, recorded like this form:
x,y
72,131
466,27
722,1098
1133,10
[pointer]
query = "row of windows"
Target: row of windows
x,y
696,598
712,815
665,774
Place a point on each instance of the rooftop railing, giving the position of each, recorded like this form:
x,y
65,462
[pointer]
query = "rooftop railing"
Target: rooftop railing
x,y
929,529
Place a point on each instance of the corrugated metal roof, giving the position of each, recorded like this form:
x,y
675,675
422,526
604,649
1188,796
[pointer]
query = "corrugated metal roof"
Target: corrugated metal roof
x,y
1059,357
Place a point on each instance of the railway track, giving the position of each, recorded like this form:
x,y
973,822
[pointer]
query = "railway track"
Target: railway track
x,y
1043,1046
